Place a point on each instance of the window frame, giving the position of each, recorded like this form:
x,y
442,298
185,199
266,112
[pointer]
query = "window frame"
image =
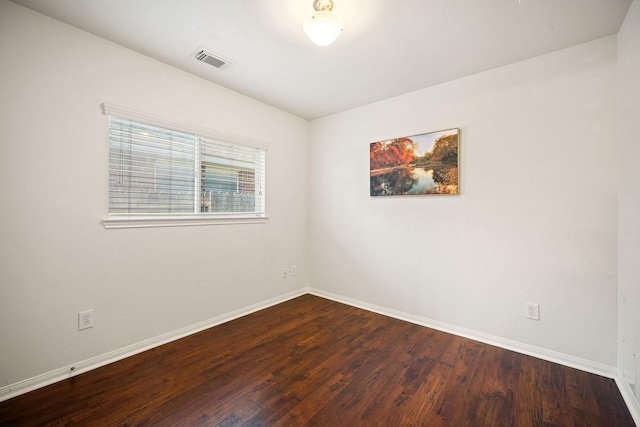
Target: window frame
x,y
123,220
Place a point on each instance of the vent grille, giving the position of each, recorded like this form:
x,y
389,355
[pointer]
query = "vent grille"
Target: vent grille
x,y
212,59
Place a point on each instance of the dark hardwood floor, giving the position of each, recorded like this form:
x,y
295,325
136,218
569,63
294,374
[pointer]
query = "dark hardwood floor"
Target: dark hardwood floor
x,y
315,362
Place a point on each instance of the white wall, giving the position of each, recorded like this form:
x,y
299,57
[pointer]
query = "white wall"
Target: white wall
x,y
56,258
629,198
536,220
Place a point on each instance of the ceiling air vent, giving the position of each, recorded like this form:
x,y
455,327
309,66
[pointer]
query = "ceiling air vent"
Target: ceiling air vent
x,y
213,59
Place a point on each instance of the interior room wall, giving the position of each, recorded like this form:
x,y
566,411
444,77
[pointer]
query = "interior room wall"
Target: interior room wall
x,y
536,220
56,259
629,200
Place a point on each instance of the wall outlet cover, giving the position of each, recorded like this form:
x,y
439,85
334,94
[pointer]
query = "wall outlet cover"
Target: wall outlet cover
x,y
533,311
85,320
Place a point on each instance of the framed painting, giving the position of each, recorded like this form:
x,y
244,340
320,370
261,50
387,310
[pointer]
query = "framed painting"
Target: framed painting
x,y
415,165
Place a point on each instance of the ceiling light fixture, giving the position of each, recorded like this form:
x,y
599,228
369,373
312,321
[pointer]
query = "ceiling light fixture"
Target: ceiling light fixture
x,y
324,26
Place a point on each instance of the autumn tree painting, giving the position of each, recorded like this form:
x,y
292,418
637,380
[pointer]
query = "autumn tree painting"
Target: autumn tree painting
x,y
393,153
419,164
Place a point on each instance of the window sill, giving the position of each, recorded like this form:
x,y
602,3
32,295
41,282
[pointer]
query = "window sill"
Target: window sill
x,y
151,221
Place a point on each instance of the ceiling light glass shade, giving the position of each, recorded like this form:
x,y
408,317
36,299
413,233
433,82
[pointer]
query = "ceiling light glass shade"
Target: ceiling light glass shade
x,y
323,27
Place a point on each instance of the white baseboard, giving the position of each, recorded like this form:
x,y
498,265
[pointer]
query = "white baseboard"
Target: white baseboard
x,y
629,398
530,350
25,386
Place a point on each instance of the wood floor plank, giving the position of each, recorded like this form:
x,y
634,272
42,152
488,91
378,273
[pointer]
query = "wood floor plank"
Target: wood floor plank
x,y
314,362
304,412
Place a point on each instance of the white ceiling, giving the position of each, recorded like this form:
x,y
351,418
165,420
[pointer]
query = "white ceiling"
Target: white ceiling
x,y
387,48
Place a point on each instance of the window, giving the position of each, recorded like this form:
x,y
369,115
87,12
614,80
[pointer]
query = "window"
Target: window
x,y
169,171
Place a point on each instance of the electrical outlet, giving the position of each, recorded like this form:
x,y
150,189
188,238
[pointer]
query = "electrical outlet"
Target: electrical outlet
x,y
85,320
533,311
294,271
285,273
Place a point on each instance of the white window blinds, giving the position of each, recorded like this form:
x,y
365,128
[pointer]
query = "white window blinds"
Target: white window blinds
x,y
160,171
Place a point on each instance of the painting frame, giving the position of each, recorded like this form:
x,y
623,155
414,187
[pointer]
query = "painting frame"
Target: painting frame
x,y
422,164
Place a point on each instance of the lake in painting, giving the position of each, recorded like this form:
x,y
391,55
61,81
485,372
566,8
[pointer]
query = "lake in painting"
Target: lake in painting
x,y
419,164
